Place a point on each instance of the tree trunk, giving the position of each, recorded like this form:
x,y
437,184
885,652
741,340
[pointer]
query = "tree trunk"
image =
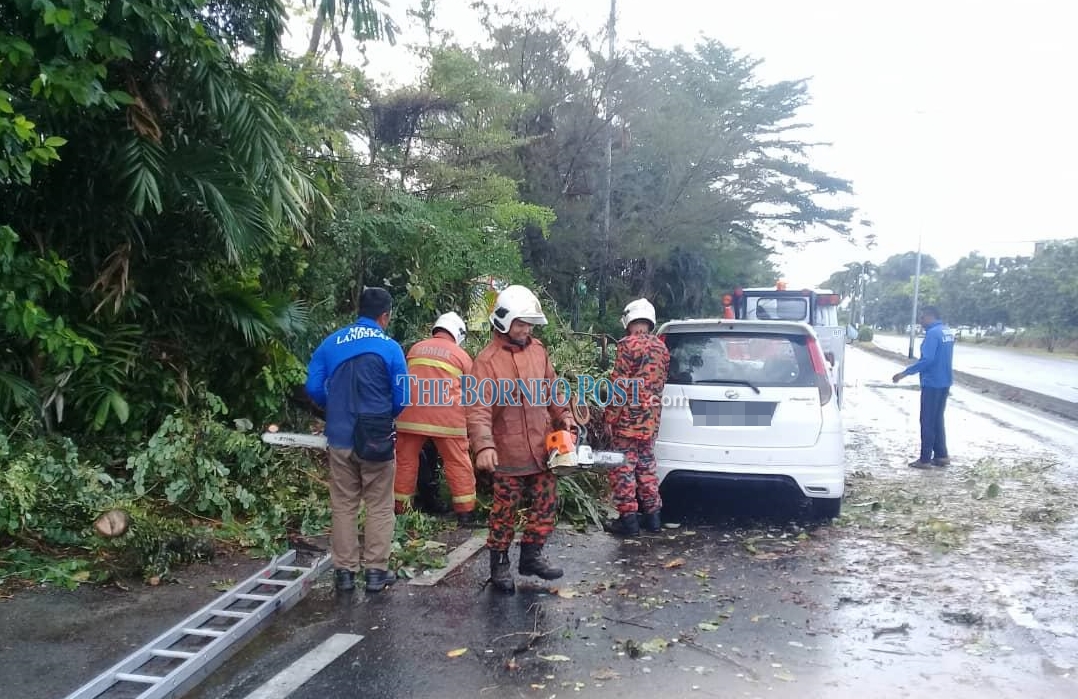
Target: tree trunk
x,y
316,31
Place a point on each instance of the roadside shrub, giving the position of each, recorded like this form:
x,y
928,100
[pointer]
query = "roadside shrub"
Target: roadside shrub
x,y
865,334
198,481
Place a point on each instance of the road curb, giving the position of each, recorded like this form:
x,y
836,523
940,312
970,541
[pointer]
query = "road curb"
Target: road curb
x,y
1002,391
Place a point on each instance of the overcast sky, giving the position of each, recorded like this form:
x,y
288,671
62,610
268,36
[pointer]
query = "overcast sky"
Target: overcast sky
x,y
954,119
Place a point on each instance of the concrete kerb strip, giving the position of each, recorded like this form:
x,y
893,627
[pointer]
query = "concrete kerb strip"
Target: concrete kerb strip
x,y
458,556
1010,394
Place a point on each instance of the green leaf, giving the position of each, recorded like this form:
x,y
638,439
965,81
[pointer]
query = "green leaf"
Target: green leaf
x,y
102,414
55,141
120,407
121,97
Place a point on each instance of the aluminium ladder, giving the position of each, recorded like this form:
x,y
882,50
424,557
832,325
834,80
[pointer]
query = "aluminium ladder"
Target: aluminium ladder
x,y
222,622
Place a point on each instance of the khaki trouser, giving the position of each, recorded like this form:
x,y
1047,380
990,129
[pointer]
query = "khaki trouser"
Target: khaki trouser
x,y
353,481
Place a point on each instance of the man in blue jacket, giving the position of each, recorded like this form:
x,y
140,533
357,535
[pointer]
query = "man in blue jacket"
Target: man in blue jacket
x,y
935,368
359,375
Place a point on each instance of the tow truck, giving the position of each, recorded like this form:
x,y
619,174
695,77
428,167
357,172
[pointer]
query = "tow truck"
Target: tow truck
x,y
815,307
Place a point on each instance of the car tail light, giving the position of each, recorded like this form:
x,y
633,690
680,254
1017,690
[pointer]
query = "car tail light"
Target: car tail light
x,y
823,381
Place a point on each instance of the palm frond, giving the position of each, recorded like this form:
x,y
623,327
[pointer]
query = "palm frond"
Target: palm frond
x,y
139,166
246,312
97,386
292,316
16,392
227,198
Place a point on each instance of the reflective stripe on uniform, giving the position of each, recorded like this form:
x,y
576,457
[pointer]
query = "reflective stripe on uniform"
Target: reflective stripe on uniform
x,y
436,363
402,497
437,429
459,499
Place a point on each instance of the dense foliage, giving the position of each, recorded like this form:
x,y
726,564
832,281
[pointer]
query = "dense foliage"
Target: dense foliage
x,y
188,210
1027,300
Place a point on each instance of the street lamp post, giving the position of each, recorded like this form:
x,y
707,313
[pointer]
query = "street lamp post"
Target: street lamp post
x,y
916,295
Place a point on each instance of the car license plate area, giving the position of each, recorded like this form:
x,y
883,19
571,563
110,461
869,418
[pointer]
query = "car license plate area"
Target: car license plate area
x,y
731,413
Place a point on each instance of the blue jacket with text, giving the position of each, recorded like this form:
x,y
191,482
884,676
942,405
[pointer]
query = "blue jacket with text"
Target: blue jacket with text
x,y
358,370
937,355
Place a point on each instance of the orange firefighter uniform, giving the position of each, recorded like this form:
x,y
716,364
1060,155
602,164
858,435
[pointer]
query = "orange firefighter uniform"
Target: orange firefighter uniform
x,y
438,364
516,429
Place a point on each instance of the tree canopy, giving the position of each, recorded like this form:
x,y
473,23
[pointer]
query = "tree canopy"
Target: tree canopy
x,y
189,209
1037,293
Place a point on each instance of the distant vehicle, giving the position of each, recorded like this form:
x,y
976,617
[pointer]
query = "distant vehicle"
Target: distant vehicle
x,y
815,307
751,401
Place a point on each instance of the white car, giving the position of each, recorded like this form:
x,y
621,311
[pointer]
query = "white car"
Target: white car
x,y
751,401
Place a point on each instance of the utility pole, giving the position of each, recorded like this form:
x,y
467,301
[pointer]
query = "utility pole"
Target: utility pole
x,y
605,251
916,295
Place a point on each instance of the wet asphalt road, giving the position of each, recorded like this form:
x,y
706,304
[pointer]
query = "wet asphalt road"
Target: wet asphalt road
x,y
961,582
1053,376
935,589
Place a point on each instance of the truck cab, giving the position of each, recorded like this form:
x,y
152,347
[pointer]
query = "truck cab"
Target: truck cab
x,y
815,307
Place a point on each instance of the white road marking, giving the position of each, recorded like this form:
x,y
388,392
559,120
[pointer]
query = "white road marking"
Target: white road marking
x,y
458,556
292,677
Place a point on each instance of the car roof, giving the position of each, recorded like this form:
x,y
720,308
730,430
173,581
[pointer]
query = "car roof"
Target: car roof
x,y
763,327
787,290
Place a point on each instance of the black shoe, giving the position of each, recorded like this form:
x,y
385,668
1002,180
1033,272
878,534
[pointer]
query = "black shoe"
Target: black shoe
x,y
378,580
651,522
626,525
467,520
500,573
533,563
345,579
920,464
944,461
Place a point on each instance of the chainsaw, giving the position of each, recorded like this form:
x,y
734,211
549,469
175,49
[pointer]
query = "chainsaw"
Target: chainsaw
x,y
566,455
294,439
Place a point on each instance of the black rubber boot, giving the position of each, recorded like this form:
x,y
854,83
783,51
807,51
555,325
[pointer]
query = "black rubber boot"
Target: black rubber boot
x,y
651,522
345,580
533,563
626,525
467,520
378,580
500,573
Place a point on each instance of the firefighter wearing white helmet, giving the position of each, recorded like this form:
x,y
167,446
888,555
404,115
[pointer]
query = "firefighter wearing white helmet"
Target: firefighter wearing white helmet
x,y
453,324
508,436
644,359
516,303
437,413
640,309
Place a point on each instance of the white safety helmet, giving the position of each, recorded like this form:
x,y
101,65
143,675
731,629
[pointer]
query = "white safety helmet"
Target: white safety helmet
x,y
640,309
452,324
516,303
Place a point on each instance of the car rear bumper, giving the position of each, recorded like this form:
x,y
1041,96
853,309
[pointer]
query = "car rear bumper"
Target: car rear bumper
x,y
818,471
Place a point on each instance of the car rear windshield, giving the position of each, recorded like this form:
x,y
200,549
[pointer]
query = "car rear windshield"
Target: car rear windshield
x,y
721,358
778,309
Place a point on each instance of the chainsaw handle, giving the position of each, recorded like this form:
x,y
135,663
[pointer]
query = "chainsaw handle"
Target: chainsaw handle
x,y
580,412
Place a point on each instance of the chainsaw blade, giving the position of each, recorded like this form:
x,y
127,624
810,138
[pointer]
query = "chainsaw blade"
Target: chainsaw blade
x,y
295,439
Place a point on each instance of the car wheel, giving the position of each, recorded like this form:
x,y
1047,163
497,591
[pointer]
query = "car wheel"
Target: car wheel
x,y
826,509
